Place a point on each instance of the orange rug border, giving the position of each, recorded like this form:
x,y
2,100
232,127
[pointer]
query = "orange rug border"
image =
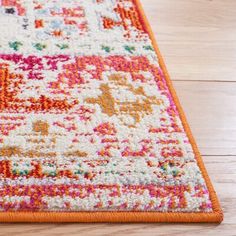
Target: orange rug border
x,y
130,216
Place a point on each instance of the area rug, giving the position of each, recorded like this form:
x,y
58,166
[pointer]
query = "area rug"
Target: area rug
x,y
91,128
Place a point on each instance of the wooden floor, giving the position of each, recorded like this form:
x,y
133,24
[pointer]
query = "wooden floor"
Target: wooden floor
x,y
198,41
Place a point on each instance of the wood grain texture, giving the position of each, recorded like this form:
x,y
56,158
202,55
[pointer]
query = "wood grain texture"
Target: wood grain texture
x,y
210,108
198,41
196,37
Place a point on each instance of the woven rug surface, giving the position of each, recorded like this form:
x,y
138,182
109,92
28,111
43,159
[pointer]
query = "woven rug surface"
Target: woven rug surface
x,y
91,129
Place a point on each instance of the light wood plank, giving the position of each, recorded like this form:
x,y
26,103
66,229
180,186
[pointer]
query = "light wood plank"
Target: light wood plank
x,y
222,171
197,38
211,112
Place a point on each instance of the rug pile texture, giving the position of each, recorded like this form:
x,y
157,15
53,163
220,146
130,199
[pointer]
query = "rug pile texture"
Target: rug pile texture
x,y
90,127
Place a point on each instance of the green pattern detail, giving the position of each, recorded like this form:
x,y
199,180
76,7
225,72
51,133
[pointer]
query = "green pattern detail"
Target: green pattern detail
x,y
39,46
107,48
62,46
52,173
148,47
130,49
20,172
15,45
